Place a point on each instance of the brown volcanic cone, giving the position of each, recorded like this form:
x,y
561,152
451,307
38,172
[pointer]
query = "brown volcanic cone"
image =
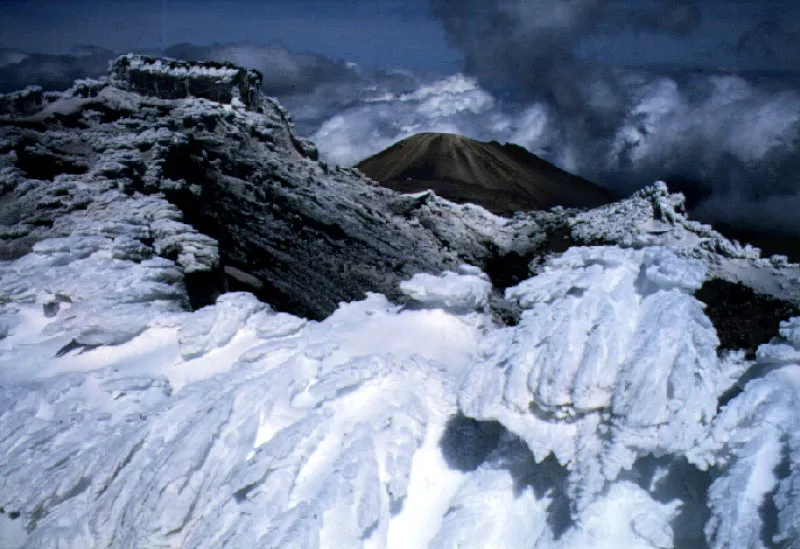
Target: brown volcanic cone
x,y
501,178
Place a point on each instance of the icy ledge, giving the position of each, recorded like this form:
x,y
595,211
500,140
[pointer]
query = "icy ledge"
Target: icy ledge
x,y
593,423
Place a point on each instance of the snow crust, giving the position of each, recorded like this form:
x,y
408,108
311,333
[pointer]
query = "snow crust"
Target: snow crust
x,y
129,422
605,418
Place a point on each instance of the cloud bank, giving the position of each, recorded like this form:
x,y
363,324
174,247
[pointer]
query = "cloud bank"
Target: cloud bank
x,y
730,139
732,145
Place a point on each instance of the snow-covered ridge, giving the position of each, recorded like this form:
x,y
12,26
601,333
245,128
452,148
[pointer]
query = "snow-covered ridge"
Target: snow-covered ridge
x,y
174,67
406,417
235,426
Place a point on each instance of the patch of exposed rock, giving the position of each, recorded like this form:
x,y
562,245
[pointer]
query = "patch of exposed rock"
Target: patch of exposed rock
x,y
743,319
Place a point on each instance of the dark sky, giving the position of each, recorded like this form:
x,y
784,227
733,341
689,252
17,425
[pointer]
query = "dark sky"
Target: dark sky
x,y
390,33
371,32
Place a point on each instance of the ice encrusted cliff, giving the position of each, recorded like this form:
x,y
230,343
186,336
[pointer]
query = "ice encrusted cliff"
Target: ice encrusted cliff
x,y
604,415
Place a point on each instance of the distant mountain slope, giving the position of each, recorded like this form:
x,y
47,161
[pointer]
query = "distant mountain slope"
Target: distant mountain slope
x,y
501,178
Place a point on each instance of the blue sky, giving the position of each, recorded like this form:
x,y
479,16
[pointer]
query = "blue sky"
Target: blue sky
x,y
382,33
389,33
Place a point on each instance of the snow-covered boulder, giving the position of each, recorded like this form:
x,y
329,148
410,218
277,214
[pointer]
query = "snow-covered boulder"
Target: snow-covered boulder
x,y
468,291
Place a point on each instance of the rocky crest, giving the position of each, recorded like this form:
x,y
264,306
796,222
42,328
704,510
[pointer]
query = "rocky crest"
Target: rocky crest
x,y
173,79
191,163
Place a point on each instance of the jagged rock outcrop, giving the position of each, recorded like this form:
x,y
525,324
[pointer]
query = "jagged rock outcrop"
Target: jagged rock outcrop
x,y
302,235
299,233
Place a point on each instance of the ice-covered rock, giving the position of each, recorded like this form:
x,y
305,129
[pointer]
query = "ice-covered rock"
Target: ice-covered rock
x,y
174,79
144,402
468,291
613,360
653,216
21,103
233,172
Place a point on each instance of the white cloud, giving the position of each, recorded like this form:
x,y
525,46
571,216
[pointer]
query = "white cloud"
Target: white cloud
x,y
455,104
734,139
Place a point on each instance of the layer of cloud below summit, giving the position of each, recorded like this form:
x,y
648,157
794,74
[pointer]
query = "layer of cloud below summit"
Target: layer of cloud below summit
x,y
716,135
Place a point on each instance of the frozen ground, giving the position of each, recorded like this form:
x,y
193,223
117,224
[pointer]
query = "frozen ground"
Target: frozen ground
x,y
604,418
127,422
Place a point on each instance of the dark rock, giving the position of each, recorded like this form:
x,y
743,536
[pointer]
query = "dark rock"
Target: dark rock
x,y
743,319
21,103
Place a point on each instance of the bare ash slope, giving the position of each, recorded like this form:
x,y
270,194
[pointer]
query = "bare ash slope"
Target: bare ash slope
x,y
501,178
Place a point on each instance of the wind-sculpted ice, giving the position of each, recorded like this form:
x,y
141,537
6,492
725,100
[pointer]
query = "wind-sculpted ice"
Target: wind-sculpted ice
x,y
613,360
756,445
127,422
130,422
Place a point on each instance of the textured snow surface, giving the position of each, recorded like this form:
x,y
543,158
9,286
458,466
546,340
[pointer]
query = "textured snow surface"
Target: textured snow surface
x,y
605,418
128,422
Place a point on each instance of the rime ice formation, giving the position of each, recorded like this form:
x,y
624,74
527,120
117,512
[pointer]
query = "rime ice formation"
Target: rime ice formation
x,y
144,405
613,360
755,442
172,79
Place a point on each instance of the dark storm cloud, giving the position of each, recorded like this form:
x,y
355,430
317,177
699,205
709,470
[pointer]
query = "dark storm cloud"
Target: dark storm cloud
x,y
771,35
724,137
372,33
677,18
535,46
